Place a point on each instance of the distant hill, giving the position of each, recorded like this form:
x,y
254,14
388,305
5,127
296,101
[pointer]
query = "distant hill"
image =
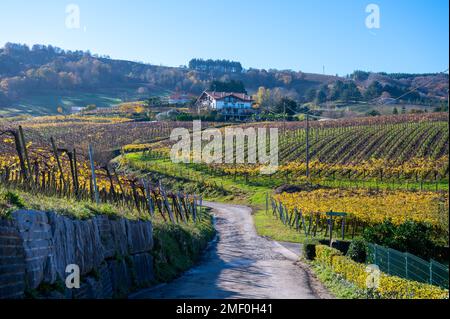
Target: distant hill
x,y
54,76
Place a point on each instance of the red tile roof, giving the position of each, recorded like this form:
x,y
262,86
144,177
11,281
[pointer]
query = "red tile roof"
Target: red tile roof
x,y
221,95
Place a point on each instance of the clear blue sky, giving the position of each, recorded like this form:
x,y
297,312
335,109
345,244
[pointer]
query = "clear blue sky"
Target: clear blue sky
x,y
290,34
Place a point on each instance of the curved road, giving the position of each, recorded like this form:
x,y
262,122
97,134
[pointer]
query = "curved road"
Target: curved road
x,y
239,264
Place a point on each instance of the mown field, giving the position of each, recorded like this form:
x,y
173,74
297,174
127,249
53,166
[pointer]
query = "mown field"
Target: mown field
x,y
46,102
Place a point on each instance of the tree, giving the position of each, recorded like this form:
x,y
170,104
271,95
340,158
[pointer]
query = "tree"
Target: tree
x,y
90,107
359,75
350,92
337,89
373,113
230,86
215,65
403,109
285,105
311,95
373,91
395,111
321,97
154,101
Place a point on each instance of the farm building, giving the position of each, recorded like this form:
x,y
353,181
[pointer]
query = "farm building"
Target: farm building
x,y
180,98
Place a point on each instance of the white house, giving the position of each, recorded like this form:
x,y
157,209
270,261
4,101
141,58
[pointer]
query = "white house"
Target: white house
x,y
229,104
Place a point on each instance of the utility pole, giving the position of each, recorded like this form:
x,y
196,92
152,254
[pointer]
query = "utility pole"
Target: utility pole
x,y
307,145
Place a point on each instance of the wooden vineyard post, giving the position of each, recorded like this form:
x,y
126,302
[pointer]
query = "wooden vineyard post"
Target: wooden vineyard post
x,y
195,207
111,184
94,179
185,205
166,203
310,225
274,207
119,183
331,223
75,171
149,197
297,220
180,207
158,204
19,153
135,195
25,152
303,223
58,162
72,172
267,203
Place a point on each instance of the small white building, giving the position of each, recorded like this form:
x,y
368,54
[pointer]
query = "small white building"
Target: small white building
x,y
229,104
76,109
180,98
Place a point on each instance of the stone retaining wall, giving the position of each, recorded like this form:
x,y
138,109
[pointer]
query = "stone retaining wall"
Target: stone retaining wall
x,y
114,255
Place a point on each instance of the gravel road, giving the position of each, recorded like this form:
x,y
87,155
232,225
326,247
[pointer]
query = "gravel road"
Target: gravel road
x,y
240,264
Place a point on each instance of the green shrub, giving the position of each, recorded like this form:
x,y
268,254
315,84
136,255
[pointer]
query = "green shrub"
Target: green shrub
x,y
389,287
309,249
14,199
357,250
413,237
341,245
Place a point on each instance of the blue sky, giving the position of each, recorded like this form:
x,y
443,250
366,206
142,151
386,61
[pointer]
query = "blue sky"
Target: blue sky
x,y
285,34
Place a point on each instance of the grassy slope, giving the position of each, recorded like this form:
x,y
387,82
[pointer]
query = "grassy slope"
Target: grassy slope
x,y
46,102
13,199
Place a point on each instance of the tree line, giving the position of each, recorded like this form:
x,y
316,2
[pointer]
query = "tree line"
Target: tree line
x,y
215,65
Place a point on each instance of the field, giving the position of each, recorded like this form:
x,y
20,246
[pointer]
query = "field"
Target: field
x,y
46,102
393,167
341,109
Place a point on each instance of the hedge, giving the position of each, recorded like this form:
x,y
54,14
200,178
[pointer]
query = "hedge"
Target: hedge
x,y
389,287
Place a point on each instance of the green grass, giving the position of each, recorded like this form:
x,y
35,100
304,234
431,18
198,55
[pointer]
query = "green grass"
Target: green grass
x,y
46,102
177,247
12,199
363,108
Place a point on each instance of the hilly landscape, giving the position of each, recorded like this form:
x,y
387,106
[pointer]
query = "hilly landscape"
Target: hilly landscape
x,y
281,150
41,79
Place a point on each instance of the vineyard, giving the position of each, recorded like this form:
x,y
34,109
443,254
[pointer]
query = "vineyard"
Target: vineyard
x,y
65,169
396,154
308,210
411,154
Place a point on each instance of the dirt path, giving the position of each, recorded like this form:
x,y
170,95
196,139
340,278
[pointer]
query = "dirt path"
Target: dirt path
x,y
240,264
